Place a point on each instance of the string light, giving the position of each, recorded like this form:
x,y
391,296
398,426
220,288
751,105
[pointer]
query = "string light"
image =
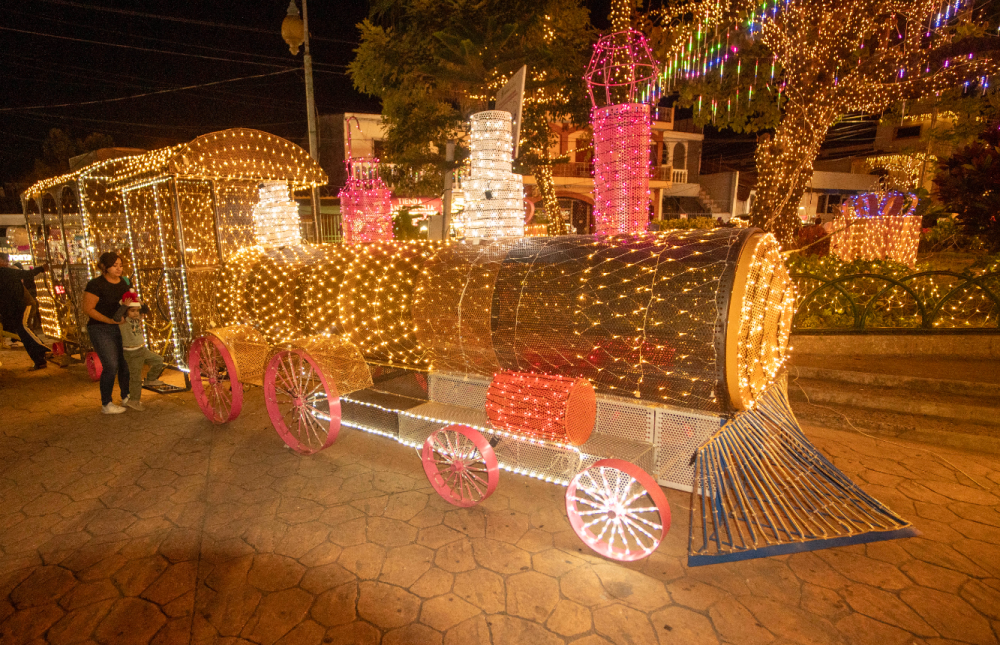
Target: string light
x,y
621,70
877,227
183,220
494,196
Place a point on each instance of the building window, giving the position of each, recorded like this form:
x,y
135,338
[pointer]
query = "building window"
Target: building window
x,y
680,156
378,148
908,132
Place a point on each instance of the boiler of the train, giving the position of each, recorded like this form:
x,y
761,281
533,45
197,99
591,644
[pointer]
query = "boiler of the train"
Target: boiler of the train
x,y
698,319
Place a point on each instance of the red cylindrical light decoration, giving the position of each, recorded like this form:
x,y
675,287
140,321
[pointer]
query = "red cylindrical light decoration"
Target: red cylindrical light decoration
x,y
621,167
554,408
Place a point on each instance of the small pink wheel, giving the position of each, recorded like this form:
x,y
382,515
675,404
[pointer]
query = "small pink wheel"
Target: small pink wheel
x,y
618,510
94,367
303,404
214,380
461,465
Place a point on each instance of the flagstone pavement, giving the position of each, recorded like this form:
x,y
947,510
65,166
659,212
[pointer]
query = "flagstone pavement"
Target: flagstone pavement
x,y
159,527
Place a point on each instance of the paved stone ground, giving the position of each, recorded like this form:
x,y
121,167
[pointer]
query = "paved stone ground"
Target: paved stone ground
x,y
160,527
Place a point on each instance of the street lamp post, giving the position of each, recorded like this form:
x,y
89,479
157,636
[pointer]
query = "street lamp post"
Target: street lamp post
x,y
295,31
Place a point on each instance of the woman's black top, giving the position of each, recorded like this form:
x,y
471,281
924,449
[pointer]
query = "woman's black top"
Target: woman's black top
x,y
108,296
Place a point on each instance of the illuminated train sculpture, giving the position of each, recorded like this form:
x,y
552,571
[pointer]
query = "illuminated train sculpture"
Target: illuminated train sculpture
x,y
608,364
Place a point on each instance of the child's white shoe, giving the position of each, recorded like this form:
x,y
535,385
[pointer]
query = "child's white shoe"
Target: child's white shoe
x,y
112,408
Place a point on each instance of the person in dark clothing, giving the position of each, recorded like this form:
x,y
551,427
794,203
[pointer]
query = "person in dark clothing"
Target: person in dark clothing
x,y
12,306
31,300
101,298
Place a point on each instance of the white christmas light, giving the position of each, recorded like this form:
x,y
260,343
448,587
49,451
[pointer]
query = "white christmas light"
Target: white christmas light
x,y
276,216
494,196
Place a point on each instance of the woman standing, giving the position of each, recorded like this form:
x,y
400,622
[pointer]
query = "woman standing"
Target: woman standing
x,y
101,299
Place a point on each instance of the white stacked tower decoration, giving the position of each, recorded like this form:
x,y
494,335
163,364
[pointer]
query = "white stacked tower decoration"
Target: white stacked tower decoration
x,y
494,196
276,216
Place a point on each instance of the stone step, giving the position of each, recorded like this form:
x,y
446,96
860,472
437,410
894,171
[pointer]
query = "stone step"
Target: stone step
x,y
967,409
901,382
977,438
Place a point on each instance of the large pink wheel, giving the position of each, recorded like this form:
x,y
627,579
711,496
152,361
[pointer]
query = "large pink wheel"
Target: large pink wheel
x,y
461,465
214,380
618,510
303,404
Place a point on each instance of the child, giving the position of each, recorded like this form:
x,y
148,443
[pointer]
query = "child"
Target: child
x,y
136,352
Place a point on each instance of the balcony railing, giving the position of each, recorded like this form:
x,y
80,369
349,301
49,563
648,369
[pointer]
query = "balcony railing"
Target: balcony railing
x,y
656,173
663,114
573,169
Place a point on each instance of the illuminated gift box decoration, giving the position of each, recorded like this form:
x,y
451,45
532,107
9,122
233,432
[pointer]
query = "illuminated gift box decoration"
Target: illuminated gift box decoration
x,y
621,71
365,201
494,196
871,227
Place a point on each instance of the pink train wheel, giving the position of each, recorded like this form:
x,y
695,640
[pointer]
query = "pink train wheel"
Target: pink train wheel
x,y
214,380
303,404
618,510
461,465
94,367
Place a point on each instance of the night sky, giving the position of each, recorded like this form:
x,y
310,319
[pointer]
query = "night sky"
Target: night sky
x,y
139,47
211,41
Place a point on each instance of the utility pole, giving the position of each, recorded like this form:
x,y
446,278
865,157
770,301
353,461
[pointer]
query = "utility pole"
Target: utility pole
x,y
449,179
295,31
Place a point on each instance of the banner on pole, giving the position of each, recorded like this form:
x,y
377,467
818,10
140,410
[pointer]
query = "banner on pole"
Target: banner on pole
x,y
511,98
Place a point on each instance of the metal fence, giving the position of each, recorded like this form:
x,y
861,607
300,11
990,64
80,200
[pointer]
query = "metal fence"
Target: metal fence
x,y
923,302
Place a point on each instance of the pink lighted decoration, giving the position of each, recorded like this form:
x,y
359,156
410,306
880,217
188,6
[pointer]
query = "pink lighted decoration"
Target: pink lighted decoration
x,y
621,70
618,78
621,168
365,201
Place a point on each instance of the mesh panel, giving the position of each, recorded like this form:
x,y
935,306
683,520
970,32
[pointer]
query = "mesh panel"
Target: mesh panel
x,y
678,436
339,359
249,351
234,201
638,316
260,287
454,389
375,300
202,285
319,286
625,420
621,168
452,304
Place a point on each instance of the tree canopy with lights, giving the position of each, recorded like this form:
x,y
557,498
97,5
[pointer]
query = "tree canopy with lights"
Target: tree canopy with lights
x,y
433,63
800,65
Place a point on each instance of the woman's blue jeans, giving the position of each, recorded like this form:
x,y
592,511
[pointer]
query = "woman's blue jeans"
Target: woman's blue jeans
x,y
107,342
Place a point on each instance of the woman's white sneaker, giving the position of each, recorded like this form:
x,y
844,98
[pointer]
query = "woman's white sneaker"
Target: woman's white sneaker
x,y
112,408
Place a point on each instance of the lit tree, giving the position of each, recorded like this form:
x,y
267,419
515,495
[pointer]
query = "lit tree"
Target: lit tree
x,y
433,63
813,61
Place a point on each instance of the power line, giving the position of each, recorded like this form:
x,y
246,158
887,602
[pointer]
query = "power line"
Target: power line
x,y
164,40
146,49
190,21
136,96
